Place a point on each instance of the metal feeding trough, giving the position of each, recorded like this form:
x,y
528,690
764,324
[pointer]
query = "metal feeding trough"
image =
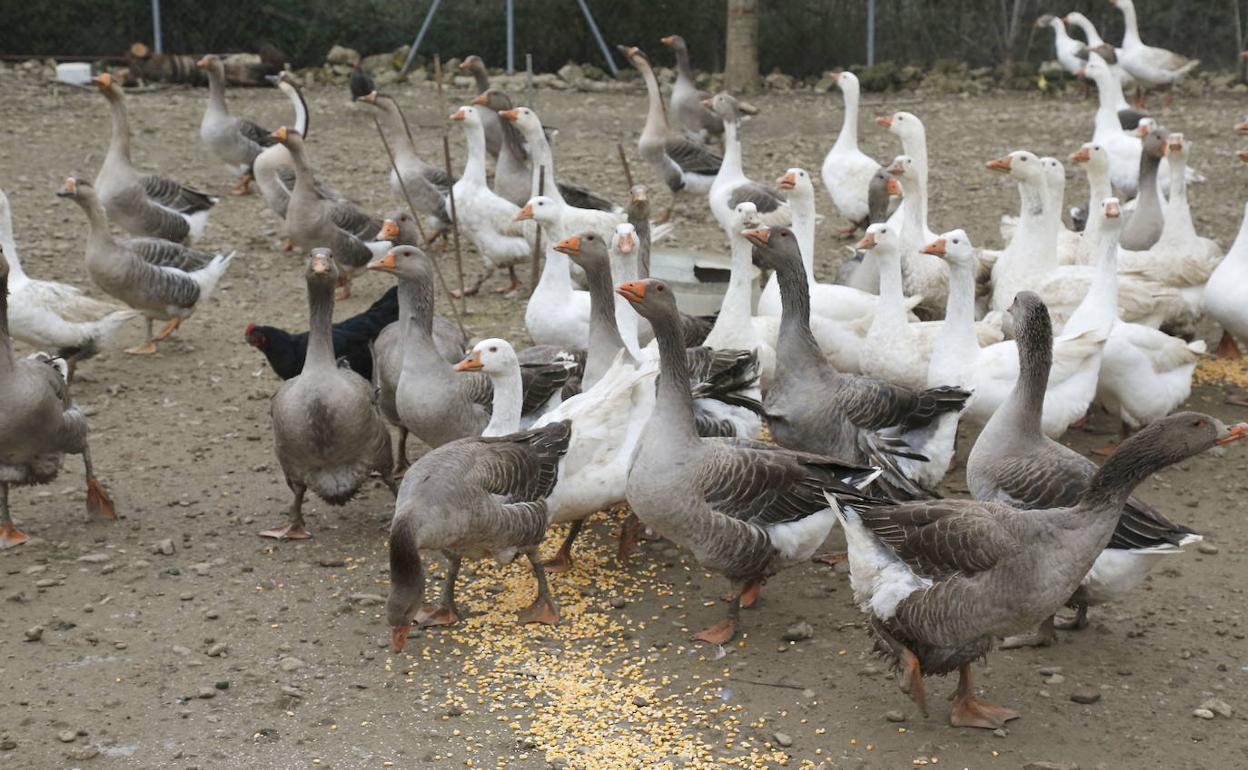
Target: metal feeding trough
x,y
699,279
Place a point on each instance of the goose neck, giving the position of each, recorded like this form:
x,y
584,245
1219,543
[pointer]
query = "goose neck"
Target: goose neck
x,y
732,147
474,170
656,117
216,93
1131,26
674,405
605,341
849,123
1178,221
684,68
300,106
119,142
320,353
796,338
508,402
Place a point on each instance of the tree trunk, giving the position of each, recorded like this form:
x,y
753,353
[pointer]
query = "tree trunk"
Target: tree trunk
x,y
741,67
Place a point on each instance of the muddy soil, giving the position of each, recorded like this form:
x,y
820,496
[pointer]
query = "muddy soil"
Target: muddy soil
x,y
229,651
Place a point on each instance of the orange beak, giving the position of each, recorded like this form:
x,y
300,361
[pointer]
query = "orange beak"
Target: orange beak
x,y
893,186
569,245
1242,155
1001,164
524,213
203,63
463,65
1234,433
667,40
279,134
625,244
103,80
760,236
398,637
1241,128
885,120
1081,156
787,182
633,291
1142,130
480,99
1081,73
389,231
936,248
370,97
897,169
320,265
1112,211
708,102
459,115
868,242
512,115
1165,148
470,364
382,264
631,52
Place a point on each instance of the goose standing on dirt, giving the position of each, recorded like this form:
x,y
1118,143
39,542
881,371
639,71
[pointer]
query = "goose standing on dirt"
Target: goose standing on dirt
x,y
1149,65
159,278
314,222
687,101
731,185
744,508
1071,54
847,171
1013,462
475,497
51,315
812,407
1223,298
274,169
426,185
327,428
940,579
237,142
682,164
39,425
144,204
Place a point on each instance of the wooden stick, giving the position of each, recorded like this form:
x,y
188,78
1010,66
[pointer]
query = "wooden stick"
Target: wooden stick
x,y
528,80
536,264
459,255
459,321
437,72
628,174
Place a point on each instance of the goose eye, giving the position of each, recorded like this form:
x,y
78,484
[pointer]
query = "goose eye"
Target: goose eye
x,y
493,349
1198,424
660,287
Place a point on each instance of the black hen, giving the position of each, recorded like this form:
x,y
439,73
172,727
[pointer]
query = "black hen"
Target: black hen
x,y
352,338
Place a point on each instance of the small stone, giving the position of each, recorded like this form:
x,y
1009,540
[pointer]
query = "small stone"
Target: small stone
x,y
618,602
34,633
641,700
798,632
1085,695
180,650
782,739
454,710
1050,766
293,692
45,583
808,694
69,736
367,599
1054,679
291,664
164,547
1001,732
1203,714
7,744
1049,670
206,693
1219,707
894,716
1206,548
212,614
83,753
224,684
94,558
341,55
218,649
333,561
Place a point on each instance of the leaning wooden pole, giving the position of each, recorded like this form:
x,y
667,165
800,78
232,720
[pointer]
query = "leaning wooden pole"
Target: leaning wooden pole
x,y
459,321
459,254
628,172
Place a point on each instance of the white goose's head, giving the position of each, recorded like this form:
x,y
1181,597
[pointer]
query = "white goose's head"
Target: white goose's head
x,y
468,115
1095,69
902,169
848,83
625,242
954,247
526,120
1020,164
1093,157
796,184
882,238
542,209
1112,210
493,356
904,125
745,217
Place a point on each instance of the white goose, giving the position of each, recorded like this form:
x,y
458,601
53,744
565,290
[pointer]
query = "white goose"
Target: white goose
x,y
922,274
54,316
1224,291
1076,19
557,313
487,219
1071,54
731,185
847,170
735,327
1149,65
828,300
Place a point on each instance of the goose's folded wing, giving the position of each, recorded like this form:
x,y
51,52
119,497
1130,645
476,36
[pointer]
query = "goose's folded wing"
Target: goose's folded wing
x,y
941,538
876,404
1142,526
522,467
540,382
178,197
162,253
259,135
1042,479
764,198
692,156
764,484
354,221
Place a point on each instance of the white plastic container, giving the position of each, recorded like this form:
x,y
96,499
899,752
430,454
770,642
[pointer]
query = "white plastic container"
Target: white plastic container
x,y
699,279
75,73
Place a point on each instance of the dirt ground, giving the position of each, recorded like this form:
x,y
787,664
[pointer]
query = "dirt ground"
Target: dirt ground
x,y
236,652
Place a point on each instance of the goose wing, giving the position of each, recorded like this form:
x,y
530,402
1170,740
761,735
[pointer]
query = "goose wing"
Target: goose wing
x,y
171,194
938,539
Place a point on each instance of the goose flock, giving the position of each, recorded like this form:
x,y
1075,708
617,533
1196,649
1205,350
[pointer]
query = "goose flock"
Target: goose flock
x,y
745,438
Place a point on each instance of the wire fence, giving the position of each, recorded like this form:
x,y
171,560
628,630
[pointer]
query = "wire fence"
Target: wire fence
x,y
799,37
